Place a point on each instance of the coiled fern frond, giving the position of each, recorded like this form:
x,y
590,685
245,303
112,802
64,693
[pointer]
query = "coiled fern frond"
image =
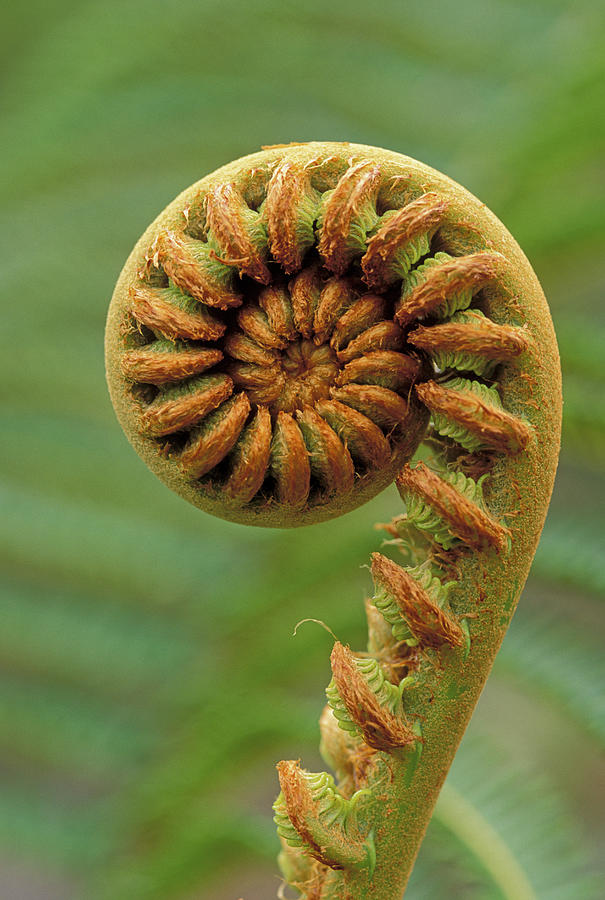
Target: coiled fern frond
x,y
329,307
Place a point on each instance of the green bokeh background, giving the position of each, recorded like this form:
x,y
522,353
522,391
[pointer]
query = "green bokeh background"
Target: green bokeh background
x,y
149,677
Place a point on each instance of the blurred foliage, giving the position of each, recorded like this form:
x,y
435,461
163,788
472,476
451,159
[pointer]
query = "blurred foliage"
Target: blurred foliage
x,y
149,676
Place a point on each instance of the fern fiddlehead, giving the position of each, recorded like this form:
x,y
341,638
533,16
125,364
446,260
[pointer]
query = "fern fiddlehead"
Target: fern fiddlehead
x,y
280,341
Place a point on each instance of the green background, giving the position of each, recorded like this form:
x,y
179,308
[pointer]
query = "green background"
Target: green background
x,y
149,677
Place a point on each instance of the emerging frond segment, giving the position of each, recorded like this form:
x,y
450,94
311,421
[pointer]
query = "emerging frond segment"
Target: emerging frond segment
x,y
290,209
383,406
449,508
237,235
470,342
471,414
250,459
403,237
171,313
194,268
166,362
366,703
444,284
347,214
186,403
211,441
414,603
311,813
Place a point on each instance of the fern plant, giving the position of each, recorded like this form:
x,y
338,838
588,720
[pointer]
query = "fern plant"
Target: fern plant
x,y
340,251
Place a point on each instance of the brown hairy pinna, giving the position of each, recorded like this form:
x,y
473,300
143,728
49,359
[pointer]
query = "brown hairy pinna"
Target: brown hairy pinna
x,y
281,341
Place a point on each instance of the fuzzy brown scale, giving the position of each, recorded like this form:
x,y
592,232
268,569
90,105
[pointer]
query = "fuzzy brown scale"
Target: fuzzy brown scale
x,y
495,428
149,367
466,273
429,624
228,218
420,217
325,844
381,729
465,519
300,806
160,312
323,278
483,337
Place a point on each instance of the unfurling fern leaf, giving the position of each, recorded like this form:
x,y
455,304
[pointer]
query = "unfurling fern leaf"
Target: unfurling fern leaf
x,y
306,268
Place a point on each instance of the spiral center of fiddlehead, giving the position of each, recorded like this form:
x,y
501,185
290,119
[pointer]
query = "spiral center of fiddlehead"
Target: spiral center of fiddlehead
x,y
263,357
306,374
